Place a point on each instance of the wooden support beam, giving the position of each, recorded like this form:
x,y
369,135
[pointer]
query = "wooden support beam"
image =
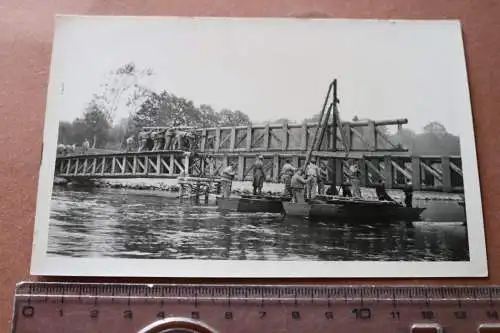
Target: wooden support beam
x,y
241,167
295,161
304,137
284,142
445,166
347,136
388,172
267,135
416,173
158,164
372,130
232,142
276,167
339,169
203,140
249,138
364,172
172,165
217,138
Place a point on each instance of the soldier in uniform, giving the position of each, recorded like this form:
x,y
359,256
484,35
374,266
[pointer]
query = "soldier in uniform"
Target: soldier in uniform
x,y
169,138
227,179
287,173
156,138
180,140
259,176
298,183
143,141
129,142
85,146
312,173
322,179
60,149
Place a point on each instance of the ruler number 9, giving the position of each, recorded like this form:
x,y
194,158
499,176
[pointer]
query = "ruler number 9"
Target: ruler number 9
x,y
363,313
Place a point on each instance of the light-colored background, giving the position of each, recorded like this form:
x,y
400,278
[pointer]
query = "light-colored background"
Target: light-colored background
x,y
25,48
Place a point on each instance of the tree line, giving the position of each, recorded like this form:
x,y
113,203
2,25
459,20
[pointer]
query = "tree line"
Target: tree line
x,y
123,89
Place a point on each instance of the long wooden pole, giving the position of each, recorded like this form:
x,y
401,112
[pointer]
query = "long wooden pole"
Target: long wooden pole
x,y
320,123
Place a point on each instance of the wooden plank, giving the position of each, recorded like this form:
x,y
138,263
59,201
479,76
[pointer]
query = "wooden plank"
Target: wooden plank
x,y
134,165
172,165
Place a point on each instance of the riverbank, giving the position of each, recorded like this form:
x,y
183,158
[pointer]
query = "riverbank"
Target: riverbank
x,y
245,187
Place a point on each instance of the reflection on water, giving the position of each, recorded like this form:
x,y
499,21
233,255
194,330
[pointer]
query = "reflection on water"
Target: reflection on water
x,y
127,224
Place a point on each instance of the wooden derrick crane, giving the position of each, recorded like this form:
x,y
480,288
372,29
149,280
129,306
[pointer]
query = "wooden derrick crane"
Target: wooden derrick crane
x,y
341,132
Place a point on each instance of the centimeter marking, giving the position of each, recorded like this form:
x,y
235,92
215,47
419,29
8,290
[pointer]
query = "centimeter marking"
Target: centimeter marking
x,y
310,293
387,308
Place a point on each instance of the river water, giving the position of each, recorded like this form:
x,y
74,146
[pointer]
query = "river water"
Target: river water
x,y
132,224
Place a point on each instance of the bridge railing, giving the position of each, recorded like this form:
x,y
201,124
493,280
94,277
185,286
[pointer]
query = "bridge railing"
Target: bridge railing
x,y
433,173
360,135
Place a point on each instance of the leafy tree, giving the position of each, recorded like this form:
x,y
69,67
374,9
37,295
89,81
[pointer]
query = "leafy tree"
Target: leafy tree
x,y
123,89
97,125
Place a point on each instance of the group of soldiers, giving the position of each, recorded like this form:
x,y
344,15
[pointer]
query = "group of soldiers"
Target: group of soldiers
x,y
165,139
305,183
65,150
300,183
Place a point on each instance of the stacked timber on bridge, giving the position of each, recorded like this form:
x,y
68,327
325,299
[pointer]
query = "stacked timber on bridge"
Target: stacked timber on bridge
x,y
365,141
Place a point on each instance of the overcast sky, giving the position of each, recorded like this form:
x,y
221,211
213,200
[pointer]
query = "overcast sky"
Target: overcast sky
x,y
274,68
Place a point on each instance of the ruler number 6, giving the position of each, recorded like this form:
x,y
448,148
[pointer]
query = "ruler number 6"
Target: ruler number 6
x,y
363,313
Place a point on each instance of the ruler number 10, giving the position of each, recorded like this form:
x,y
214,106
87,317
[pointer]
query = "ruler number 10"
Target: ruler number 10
x,y
363,313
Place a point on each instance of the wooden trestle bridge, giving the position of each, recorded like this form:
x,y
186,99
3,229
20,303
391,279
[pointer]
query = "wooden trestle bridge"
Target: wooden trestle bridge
x,y
338,142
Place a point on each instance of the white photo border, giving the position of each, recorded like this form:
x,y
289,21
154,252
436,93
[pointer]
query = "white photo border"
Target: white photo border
x,y
45,265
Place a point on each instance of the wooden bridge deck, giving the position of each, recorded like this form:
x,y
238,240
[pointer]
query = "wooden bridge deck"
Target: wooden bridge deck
x,y
432,173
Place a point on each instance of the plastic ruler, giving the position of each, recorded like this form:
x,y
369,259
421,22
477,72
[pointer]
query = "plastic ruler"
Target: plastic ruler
x,y
142,308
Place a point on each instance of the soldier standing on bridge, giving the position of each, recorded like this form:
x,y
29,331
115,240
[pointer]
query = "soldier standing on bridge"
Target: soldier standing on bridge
x,y
129,143
258,175
179,139
169,138
156,140
85,146
143,141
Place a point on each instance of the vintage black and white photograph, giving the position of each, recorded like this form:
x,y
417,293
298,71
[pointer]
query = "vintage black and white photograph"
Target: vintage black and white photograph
x,y
258,148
